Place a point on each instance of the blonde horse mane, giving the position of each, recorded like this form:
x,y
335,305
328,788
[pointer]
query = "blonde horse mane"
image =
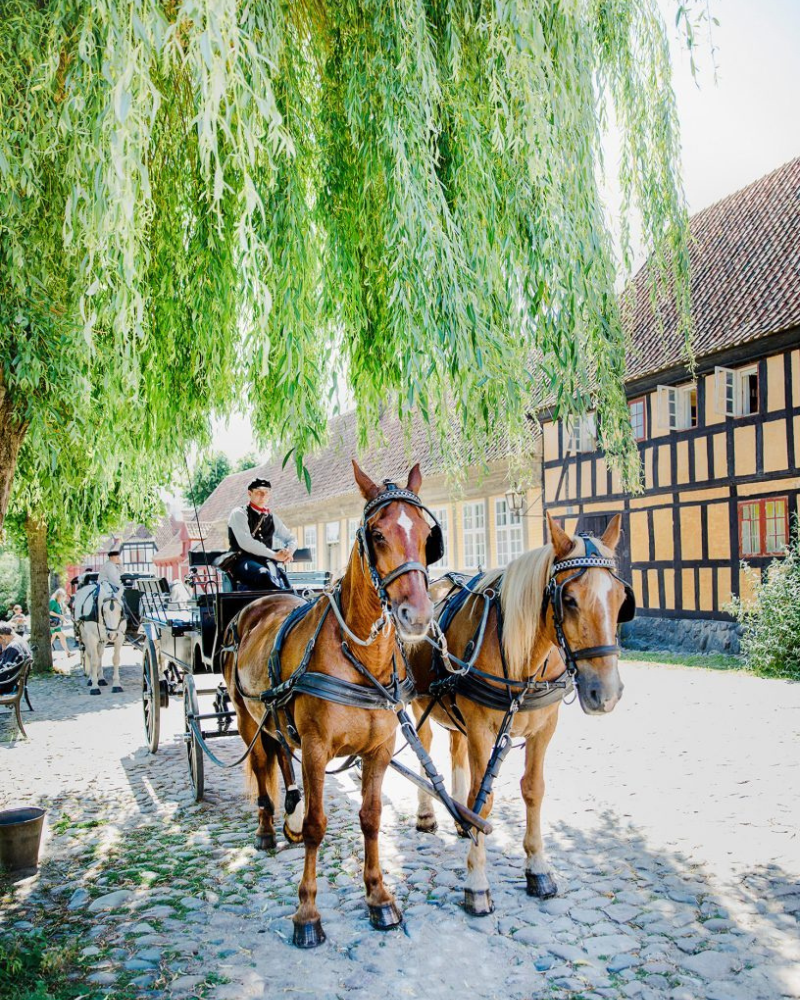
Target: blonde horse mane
x,y
521,597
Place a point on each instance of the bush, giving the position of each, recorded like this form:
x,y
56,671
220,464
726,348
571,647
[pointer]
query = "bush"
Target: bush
x,y
771,622
14,583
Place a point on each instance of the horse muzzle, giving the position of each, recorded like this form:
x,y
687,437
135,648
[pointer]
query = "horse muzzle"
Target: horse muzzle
x,y
599,691
413,620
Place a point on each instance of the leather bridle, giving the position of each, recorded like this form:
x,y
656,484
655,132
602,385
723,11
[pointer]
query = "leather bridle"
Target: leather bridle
x,y
591,559
434,546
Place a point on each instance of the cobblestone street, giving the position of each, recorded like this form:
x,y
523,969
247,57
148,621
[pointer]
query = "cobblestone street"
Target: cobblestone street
x,y
672,824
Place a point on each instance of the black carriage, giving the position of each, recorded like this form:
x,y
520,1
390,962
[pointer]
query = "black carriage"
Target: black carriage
x,y
181,643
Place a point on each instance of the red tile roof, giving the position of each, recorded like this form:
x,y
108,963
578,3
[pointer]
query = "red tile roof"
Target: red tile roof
x,y
745,276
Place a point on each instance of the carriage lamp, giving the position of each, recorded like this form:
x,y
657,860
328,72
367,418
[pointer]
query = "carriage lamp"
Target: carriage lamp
x,y
515,499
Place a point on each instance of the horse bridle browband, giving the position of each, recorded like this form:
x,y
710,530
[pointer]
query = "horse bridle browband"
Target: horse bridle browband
x,y
591,559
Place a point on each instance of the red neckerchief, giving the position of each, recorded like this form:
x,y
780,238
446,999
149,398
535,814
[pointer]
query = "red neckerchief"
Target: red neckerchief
x,y
260,510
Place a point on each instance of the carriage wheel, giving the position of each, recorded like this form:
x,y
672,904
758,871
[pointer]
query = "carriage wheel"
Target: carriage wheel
x,y
151,696
194,752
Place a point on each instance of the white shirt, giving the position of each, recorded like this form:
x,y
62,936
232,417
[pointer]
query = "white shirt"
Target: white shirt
x,y
110,573
282,537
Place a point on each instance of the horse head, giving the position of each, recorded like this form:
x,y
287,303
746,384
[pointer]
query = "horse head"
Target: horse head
x,y
587,601
398,542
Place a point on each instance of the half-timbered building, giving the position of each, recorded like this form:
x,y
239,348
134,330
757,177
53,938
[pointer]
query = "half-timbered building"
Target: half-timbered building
x,y
720,447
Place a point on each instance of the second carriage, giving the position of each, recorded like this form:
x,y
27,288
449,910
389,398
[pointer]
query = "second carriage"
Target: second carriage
x,y
181,629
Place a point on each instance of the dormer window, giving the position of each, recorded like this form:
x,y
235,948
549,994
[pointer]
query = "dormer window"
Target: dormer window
x,y
736,391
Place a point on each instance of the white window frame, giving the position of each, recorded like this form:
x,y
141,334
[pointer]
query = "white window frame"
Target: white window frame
x,y
508,531
581,433
674,406
474,534
442,516
310,542
731,391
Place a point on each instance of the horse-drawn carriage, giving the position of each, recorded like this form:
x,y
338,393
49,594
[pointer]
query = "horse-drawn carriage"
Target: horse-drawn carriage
x,y
181,629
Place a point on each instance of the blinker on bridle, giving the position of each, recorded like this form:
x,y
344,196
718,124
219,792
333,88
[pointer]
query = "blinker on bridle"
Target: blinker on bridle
x,y
592,559
434,546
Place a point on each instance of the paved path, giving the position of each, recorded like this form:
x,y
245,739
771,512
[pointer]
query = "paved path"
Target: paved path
x,y
673,825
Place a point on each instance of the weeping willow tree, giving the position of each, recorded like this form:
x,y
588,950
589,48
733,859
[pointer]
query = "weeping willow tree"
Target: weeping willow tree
x,y
222,201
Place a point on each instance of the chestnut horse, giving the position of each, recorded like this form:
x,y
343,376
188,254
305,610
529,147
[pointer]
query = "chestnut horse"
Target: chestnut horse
x,y
510,638
332,680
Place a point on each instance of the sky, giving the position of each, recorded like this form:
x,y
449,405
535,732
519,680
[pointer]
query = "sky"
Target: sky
x,y
733,130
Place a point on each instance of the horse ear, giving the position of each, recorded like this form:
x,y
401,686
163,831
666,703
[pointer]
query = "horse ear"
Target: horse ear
x,y
612,533
562,543
368,489
414,479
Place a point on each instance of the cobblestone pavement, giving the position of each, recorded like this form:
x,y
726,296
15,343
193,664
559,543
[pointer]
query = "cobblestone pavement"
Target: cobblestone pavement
x,y
673,825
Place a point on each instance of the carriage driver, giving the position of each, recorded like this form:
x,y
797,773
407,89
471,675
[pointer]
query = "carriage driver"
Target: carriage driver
x,y
264,543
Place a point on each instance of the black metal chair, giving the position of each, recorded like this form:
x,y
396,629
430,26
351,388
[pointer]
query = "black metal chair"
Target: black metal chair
x,y
15,687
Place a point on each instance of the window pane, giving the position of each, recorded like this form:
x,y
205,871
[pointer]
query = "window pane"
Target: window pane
x,y
776,525
440,513
474,515
751,529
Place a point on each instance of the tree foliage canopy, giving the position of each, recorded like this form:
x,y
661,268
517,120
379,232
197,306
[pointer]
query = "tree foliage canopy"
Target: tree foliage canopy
x,y
211,200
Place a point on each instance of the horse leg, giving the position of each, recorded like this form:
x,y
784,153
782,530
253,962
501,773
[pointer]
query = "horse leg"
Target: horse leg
x,y
383,910
118,641
538,872
262,780
95,652
101,652
292,802
459,761
477,894
308,932
426,817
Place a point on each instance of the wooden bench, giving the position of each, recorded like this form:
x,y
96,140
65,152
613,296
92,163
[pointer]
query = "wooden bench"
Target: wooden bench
x,y
19,679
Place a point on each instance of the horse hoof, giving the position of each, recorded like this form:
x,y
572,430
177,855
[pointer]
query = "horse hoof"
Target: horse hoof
x,y
427,824
541,886
116,689
464,834
94,690
478,902
385,917
310,935
102,683
89,682
291,836
265,842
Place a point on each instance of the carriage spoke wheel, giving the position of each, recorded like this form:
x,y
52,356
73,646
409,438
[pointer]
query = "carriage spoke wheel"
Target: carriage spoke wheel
x,y
194,752
151,700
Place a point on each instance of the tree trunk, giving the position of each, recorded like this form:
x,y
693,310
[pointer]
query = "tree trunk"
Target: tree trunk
x,y
36,530
12,434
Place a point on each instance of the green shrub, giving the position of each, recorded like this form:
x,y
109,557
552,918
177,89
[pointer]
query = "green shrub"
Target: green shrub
x,y
771,621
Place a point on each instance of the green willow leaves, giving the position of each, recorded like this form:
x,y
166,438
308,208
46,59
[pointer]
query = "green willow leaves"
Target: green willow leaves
x,y
254,200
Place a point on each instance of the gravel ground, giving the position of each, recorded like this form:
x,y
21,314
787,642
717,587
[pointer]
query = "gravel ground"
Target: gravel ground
x,y
673,826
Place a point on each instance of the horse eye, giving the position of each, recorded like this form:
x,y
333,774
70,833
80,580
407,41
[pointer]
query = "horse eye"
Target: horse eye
x,y
570,602
377,537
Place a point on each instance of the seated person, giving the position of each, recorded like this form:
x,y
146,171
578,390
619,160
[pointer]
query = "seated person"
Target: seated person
x,y
262,541
18,621
13,651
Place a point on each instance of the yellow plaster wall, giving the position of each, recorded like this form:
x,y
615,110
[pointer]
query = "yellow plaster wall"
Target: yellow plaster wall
x,y
637,587
669,589
776,383
648,469
586,477
664,470
683,461
689,596
550,441
723,587
776,457
551,477
652,584
601,473
640,547
797,440
719,541
700,460
765,489
712,417
717,493
744,450
720,457
796,379
747,585
662,534
706,600
691,534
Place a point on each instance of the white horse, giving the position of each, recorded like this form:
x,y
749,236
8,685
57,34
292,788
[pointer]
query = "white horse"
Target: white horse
x,y
100,619
179,593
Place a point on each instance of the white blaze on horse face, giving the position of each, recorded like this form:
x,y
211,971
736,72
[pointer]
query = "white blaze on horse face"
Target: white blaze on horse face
x,y
603,585
406,524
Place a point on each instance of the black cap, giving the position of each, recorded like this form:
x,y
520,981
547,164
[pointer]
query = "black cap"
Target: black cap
x,y
260,484
113,552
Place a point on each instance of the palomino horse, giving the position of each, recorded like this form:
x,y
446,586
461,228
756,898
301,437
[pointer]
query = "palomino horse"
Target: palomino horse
x,y
333,676
510,635
100,619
